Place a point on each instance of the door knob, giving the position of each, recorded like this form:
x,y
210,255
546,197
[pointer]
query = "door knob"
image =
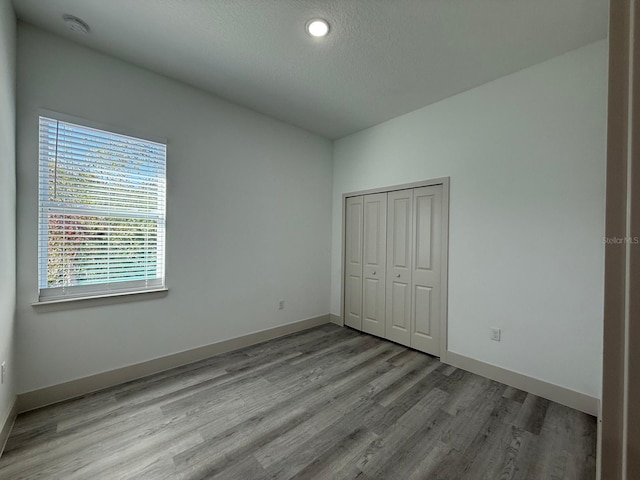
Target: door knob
x,y
374,272
397,275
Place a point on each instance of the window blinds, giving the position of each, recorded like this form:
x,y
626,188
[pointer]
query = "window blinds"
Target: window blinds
x,y
101,212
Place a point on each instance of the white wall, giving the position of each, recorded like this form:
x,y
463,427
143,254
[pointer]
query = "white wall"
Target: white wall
x,y
248,215
7,201
526,157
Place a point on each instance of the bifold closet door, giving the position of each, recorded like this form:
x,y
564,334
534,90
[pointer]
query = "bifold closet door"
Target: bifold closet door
x,y
393,265
353,262
399,249
426,269
374,264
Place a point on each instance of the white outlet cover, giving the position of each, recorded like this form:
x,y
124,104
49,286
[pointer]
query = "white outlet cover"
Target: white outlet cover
x,y
495,334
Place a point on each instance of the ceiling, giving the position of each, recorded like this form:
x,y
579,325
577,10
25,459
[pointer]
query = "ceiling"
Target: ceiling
x,y
381,59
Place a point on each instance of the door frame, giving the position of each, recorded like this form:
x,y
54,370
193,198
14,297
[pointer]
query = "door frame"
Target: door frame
x,y
444,274
618,453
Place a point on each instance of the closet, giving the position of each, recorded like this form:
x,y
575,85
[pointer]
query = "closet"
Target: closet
x,y
394,265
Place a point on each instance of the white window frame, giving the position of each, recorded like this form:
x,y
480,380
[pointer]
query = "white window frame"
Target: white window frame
x,y
109,289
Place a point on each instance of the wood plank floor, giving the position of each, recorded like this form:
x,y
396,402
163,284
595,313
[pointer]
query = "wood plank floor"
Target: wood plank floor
x,y
326,403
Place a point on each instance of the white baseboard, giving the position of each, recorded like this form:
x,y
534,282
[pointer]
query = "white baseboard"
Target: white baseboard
x,y
82,386
7,425
550,391
336,319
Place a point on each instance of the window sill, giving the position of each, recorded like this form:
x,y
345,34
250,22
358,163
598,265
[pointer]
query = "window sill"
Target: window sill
x,y
97,296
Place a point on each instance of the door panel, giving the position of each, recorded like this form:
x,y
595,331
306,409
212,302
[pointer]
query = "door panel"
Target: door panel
x,y
422,305
400,307
353,263
424,215
425,275
371,311
354,301
374,268
399,236
401,240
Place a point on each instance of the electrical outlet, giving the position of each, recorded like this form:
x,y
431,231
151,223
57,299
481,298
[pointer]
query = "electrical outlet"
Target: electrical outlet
x,y
3,371
495,334
280,304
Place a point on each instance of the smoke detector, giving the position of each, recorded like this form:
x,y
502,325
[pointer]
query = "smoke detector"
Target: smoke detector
x,y
75,24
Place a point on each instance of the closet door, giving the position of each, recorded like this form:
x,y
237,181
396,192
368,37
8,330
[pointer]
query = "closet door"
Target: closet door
x,y
353,263
374,263
426,267
399,249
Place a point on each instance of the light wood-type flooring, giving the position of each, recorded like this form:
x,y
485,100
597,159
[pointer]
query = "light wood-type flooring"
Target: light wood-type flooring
x,y
326,403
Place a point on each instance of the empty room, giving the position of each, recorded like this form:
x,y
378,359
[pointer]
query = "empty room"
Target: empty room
x,y
339,239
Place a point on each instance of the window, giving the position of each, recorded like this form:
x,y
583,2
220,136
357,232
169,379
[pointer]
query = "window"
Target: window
x,y
102,212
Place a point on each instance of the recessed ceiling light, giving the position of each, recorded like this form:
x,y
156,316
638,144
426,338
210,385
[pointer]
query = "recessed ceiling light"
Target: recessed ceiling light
x,y
74,24
317,27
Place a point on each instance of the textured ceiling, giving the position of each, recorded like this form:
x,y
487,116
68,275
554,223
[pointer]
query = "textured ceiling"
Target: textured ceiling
x,y
381,59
